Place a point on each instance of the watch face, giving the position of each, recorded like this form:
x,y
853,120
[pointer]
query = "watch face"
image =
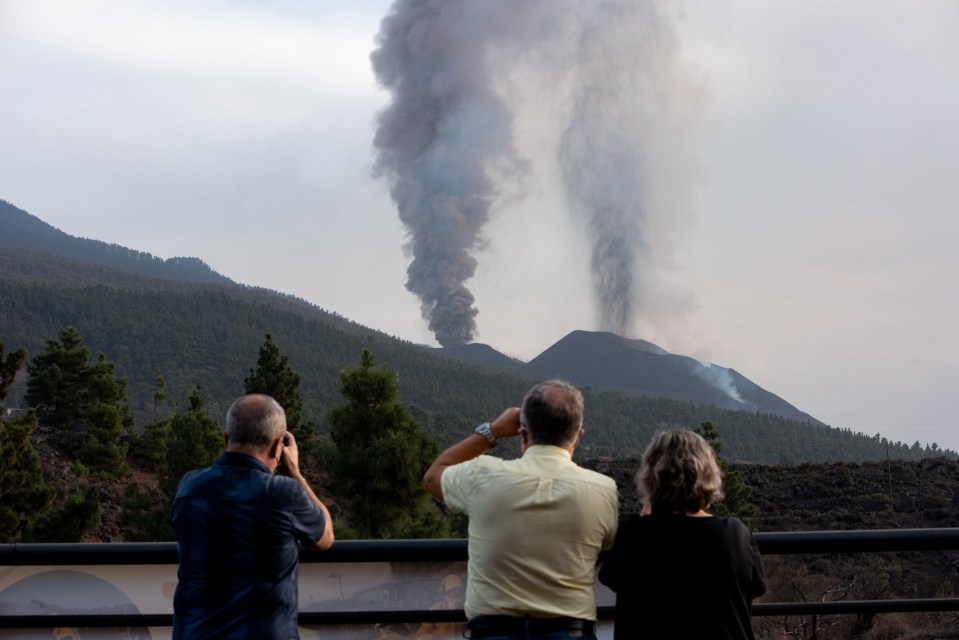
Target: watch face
x,y
485,431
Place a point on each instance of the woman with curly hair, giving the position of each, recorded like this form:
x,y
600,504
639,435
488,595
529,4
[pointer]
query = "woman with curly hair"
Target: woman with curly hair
x,y
678,571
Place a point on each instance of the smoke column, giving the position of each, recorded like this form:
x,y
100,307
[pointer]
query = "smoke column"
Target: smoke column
x,y
621,97
446,143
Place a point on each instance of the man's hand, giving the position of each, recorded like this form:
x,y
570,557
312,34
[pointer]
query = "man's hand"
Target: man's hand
x,y
289,457
506,424
290,466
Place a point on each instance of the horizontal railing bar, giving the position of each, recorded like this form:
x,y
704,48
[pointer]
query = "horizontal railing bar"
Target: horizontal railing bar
x,y
360,551
435,550
87,621
859,540
79,553
127,553
770,543
327,618
855,606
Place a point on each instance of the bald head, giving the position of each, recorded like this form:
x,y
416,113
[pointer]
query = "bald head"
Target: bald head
x,y
254,422
553,413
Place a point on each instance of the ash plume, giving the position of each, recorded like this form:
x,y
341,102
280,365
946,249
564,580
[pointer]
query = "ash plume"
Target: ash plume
x,y
627,138
446,144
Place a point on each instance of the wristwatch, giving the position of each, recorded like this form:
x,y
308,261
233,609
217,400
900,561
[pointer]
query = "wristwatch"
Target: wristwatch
x,y
485,431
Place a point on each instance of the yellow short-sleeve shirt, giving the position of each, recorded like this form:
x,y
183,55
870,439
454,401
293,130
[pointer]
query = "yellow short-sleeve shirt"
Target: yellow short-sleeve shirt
x,y
536,527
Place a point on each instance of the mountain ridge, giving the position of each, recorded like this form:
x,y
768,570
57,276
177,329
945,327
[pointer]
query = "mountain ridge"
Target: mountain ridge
x,y
595,358
24,230
207,333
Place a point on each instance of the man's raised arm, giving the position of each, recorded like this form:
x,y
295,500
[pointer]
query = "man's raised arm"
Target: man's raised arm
x,y
505,426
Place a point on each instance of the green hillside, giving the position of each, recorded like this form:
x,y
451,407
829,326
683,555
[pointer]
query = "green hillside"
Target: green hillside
x,y
209,335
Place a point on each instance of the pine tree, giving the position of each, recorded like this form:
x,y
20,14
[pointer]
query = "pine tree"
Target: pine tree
x,y
159,395
149,450
381,457
194,441
56,387
9,366
26,495
274,377
26,513
736,501
108,418
90,401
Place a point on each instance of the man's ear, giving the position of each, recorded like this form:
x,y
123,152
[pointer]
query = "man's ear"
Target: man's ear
x,y
226,440
579,436
277,449
524,441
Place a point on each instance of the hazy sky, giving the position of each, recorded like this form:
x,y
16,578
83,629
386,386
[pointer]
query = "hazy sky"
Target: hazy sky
x,y
816,254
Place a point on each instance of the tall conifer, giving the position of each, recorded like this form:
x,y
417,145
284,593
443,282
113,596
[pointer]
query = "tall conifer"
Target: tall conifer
x,y
736,501
56,387
382,455
108,420
71,395
27,497
275,377
194,441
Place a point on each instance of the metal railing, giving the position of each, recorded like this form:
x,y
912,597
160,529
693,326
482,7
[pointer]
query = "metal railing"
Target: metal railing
x,y
412,551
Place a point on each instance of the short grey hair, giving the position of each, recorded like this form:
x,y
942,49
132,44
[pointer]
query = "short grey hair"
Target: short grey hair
x,y
255,421
679,473
553,413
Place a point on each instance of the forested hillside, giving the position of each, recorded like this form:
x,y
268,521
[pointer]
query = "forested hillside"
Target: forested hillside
x,y
208,335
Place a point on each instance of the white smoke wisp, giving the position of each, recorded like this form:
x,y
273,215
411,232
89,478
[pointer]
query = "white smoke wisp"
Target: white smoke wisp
x,y
627,113
721,379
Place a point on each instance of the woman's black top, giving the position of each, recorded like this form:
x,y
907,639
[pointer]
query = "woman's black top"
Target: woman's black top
x,y
680,576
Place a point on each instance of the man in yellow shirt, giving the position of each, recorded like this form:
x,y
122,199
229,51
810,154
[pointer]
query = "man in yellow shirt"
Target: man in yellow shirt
x,y
536,524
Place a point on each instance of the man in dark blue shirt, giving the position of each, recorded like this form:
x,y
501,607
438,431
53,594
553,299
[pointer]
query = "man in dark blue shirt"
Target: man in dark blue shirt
x,y
237,526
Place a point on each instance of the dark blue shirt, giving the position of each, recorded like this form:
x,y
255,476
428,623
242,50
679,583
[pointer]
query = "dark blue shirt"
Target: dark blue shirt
x,y
237,526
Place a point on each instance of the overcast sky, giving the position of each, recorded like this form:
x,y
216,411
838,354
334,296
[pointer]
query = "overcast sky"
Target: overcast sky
x,y
819,257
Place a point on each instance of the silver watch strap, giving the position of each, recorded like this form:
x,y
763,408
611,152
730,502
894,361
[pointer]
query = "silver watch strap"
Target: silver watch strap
x,y
485,431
